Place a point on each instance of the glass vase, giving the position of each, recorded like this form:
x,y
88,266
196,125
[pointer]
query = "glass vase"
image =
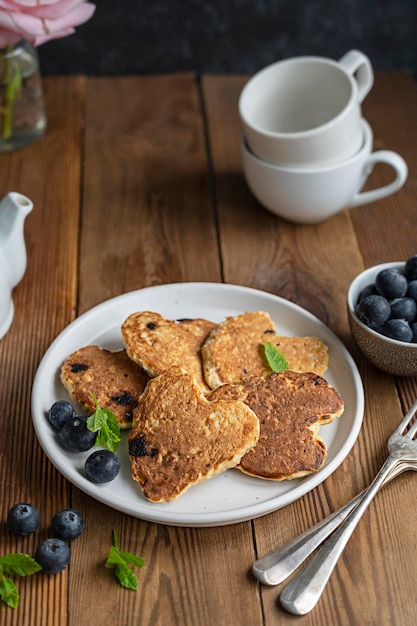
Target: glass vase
x,y
22,111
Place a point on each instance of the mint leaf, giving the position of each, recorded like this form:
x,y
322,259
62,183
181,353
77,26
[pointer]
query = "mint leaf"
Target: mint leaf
x,y
114,557
126,577
105,424
132,559
123,562
108,436
8,592
276,360
19,564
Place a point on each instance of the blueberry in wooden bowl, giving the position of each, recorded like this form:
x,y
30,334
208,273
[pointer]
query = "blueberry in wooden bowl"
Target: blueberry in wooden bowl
x,y
382,315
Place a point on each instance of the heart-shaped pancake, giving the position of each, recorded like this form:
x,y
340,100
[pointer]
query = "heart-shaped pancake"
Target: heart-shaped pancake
x,y
156,343
235,349
115,380
180,439
291,406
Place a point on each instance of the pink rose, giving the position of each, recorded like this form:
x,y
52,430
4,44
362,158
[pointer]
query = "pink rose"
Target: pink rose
x,y
38,21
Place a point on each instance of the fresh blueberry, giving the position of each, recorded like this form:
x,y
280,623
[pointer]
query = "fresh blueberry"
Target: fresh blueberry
x,y
75,435
369,290
398,329
67,524
403,308
410,269
412,289
23,519
59,413
391,283
373,311
102,466
53,555
414,329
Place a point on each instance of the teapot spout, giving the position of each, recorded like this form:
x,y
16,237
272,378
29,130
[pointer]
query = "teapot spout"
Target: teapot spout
x,y
14,208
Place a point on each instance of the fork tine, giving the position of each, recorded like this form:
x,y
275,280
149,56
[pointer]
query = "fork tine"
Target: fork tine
x,y
411,433
406,420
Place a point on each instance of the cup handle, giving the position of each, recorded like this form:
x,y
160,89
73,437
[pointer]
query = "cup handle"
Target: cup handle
x,y
359,67
390,158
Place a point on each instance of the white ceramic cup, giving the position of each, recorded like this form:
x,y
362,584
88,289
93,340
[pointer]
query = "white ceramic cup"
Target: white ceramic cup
x,y
309,195
306,110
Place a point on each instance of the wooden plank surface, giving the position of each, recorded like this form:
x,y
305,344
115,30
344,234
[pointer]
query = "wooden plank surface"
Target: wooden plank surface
x,y
138,183
147,216
391,106
146,180
313,266
49,173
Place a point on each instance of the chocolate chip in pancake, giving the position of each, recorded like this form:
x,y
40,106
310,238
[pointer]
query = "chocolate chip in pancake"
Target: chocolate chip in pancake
x,y
116,381
156,343
179,438
291,406
235,349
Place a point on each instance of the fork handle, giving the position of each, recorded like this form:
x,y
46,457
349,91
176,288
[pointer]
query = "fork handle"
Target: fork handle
x,y
304,591
276,566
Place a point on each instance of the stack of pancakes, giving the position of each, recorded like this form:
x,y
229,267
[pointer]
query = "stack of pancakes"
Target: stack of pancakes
x,y
201,398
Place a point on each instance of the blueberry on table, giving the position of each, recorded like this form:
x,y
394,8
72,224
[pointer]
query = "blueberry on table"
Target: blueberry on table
x,y
403,308
75,436
373,311
59,413
391,283
102,466
53,555
410,269
23,519
397,329
67,524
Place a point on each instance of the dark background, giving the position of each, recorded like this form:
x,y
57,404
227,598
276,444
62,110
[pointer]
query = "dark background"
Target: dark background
x,y
232,36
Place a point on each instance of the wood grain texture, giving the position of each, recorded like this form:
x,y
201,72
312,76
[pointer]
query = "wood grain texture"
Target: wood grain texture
x,y
313,266
147,220
147,215
390,108
48,172
138,182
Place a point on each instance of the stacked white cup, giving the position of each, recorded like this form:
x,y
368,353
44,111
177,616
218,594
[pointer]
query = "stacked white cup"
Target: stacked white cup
x,y
306,149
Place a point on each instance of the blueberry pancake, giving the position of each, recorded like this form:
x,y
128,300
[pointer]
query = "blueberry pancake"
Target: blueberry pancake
x,y
235,349
156,343
179,438
115,380
291,407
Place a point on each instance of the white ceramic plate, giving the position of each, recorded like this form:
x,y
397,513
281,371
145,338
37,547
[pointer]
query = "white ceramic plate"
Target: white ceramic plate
x,y
232,496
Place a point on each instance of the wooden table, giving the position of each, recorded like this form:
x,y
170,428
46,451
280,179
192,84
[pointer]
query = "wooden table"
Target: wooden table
x,y
136,183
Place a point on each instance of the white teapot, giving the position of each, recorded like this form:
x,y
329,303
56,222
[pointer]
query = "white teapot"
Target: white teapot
x,y
14,208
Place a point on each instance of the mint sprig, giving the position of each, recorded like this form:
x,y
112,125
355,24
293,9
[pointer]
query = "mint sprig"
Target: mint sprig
x,y
15,564
276,360
123,563
105,424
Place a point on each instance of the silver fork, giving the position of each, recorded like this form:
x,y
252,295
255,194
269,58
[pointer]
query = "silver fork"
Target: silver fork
x,y
305,590
273,568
